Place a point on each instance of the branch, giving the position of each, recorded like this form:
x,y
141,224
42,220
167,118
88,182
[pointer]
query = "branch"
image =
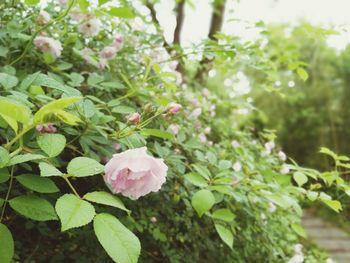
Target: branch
x,y
180,15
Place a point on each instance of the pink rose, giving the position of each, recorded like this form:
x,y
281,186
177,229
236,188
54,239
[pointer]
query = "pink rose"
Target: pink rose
x,y
134,118
174,107
134,173
91,27
48,45
108,53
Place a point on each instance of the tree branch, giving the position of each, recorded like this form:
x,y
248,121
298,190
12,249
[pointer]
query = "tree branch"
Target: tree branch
x,y
180,15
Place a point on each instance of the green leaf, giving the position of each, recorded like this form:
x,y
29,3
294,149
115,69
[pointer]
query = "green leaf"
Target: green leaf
x,y
223,214
83,4
202,170
299,230
157,133
25,158
105,198
8,81
15,110
327,151
33,207
122,12
47,170
31,2
225,234
73,211
11,121
3,51
83,166
7,245
67,117
300,178
334,204
202,201
302,74
46,81
51,144
118,241
37,183
4,175
4,157
53,107
225,164
196,179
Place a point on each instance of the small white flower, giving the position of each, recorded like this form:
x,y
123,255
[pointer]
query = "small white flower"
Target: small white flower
x,y
235,144
297,259
174,128
285,169
298,248
329,260
269,146
43,18
282,156
237,167
202,138
207,130
195,113
48,45
272,208
90,27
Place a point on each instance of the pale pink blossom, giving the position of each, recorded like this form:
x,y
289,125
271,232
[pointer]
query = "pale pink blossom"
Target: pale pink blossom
x,y
134,118
202,138
235,144
282,156
134,173
108,52
118,41
117,146
285,169
46,128
174,107
207,130
43,18
195,113
237,167
90,27
174,128
48,45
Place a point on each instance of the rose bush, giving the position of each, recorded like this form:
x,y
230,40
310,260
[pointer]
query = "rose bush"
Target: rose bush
x,y
86,83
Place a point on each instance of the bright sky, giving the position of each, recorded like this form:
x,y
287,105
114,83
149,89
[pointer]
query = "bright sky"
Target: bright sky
x,y
321,12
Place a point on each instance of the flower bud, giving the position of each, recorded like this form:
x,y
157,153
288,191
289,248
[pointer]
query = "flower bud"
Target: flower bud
x,y
134,118
174,107
153,219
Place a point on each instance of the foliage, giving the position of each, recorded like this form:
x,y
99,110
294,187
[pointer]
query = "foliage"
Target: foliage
x,y
229,195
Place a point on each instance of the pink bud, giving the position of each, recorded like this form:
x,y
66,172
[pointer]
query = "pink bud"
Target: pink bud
x,y
174,107
46,128
118,41
134,118
117,146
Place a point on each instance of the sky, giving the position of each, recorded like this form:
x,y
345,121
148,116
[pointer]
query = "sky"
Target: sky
x,y
333,13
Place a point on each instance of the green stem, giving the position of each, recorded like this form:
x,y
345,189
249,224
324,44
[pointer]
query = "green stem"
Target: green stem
x,y
53,21
19,136
7,195
65,177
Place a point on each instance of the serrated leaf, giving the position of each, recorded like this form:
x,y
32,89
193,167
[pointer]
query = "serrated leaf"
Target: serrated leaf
x,y
196,179
334,204
83,166
4,157
53,107
51,144
15,110
225,234
37,183
33,207
104,198
25,158
202,201
202,170
73,211
299,230
7,245
47,170
118,241
300,178
8,81
4,175
46,81
223,214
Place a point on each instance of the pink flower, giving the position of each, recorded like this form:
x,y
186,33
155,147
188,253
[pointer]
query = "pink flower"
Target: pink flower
x,y
118,41
90,27
102,63
46,128
134,118
43,18
202,138
48,45
174,107
134,173
108,52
